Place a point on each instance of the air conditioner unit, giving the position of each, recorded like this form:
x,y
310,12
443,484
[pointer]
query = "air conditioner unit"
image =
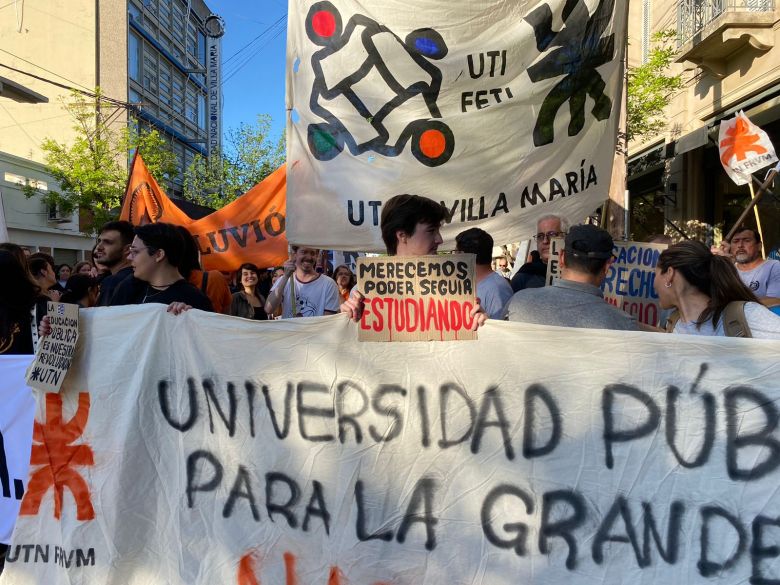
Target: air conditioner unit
x,y
56,215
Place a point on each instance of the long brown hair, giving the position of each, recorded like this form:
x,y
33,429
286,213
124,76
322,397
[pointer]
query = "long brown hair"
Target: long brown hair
x,y
712,275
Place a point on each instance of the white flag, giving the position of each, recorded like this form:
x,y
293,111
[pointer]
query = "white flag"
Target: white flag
x,y
744,148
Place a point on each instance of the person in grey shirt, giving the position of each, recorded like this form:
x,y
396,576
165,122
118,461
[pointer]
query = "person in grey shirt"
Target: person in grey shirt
x,y
493,290
575,299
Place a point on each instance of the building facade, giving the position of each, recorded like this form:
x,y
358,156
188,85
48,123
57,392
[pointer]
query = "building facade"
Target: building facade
x,y
728,52
149,56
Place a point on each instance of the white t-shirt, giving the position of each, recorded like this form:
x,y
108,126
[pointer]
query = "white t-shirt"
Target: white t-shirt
x,y
764,279
311,299
494,291
763,323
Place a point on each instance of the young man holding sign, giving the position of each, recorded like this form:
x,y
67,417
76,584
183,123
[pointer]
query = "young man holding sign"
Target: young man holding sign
x,y
410,227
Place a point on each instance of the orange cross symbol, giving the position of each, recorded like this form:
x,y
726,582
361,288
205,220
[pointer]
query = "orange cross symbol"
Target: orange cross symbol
x,y
54,451
739,142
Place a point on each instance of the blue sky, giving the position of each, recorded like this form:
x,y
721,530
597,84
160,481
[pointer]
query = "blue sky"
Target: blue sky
x,y
258,86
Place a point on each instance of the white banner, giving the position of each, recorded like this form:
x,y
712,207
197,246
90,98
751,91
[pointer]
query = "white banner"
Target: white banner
x,y
503,111
16,431
744,148
206,449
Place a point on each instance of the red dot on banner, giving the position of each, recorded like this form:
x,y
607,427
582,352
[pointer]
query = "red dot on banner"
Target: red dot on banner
x,y
432,143
324,23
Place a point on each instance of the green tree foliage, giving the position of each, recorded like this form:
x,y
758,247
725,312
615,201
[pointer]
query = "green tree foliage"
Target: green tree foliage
x,y
650,88
92,169
249,157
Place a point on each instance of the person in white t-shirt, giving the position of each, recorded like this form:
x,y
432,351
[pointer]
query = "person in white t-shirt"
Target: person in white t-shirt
x,y
302,291
701,285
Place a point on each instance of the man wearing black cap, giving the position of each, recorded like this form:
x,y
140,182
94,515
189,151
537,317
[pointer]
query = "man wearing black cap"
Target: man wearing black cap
x,y
575,299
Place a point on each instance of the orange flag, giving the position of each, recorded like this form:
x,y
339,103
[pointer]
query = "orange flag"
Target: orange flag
x,y
250,229
145,202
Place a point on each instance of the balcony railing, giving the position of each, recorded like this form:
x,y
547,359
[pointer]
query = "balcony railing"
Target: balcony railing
x,y
694,15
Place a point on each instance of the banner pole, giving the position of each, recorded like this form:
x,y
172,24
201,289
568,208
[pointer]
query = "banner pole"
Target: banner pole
x,y
761,192
758,220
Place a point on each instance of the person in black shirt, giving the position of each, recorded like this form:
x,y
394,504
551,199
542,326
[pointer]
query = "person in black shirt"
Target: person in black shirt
x,y
156,254
20,299
113,244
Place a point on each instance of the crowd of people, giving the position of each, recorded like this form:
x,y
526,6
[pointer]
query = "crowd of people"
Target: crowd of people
x,y
706,291
723,291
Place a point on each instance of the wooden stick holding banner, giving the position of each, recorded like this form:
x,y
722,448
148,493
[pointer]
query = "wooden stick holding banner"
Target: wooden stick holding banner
x,y
743,148
763,189
758,219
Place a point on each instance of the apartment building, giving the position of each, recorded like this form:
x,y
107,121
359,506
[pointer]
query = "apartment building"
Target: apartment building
x,y
729,57
158,59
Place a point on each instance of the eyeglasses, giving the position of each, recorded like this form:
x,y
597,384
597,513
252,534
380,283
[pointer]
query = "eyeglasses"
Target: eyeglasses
x,y
133,251
548,236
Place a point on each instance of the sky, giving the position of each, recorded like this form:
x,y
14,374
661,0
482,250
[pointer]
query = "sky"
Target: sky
x,y
253,60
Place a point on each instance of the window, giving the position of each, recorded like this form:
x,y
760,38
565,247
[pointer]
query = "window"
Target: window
x,y
135,13
192,40
178,94
150,72
191,107
165,83
133,96
21,181
202,48
134,57
202,111
165,13
177,26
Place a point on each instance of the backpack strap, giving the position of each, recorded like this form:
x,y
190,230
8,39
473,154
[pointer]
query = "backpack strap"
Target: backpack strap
x,y
734,321
204,282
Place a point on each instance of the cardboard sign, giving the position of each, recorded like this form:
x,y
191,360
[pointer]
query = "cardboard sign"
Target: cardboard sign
x,y
16,430
627,458
55,351
423,298
629,284
553,266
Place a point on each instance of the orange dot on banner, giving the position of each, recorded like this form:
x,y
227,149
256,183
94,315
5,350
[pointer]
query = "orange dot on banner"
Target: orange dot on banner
x,y
432,143
324,23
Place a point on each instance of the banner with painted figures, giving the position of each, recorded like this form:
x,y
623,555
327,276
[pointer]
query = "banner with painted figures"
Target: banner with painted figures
x,y
16,434
503,111
204,449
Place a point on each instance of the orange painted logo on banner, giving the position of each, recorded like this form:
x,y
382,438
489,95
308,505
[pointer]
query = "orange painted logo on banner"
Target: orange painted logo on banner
x,y
250,229
739,142
58,456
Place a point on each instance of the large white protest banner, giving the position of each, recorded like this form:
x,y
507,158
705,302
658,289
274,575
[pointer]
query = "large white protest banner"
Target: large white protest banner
x,y
503,111
205,449
17,408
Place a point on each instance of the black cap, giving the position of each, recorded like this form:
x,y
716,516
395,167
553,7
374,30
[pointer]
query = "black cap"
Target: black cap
x,y
589,241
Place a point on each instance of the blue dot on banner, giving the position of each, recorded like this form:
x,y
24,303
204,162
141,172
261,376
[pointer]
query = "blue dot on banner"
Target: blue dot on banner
x,y
426,46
